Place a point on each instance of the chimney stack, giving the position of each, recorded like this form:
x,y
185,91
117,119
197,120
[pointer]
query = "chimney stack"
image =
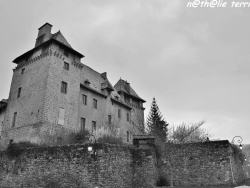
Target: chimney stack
x,y
127,87
44,34
104,75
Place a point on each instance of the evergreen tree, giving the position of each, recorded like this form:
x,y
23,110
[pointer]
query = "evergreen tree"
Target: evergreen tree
x,y
157,126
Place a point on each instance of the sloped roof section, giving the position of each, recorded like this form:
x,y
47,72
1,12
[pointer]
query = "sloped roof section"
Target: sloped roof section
x,y
107,85
124,86
56,37
3,104
60,38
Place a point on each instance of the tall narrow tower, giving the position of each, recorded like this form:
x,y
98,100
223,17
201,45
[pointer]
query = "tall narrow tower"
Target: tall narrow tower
x,y
45,84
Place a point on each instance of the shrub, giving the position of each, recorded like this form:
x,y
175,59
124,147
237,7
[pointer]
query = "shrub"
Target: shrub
x,y
78,137
15,149
162,181
62,136
110,139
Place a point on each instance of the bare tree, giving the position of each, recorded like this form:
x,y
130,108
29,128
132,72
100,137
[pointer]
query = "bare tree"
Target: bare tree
x,y
191,132
109,127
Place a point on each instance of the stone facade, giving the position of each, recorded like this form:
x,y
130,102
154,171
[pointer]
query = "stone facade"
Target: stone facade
x,y
47,91
3,105
108,166
207,163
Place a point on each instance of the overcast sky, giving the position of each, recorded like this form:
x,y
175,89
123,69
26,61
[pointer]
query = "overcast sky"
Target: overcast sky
x,y
194,61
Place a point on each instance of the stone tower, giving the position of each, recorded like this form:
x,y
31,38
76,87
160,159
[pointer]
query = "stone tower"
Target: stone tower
x,y
40,90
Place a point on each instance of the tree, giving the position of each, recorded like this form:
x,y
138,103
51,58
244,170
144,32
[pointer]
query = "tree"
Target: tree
x,y
156,125
191,132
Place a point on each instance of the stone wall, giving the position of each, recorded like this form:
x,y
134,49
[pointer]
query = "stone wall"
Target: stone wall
x,y
108,166
209,163
206,163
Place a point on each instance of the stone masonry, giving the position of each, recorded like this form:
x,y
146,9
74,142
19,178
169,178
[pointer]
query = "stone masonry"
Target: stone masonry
x,y
47,91
108,166
207,163
111,166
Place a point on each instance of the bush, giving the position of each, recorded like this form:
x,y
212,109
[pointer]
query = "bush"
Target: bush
x,y
162,181
78,137
110,139
62,136
15,149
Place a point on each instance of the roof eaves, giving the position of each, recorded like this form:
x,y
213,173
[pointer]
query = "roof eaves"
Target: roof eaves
x,y
43,44
120,102
93,90
132,95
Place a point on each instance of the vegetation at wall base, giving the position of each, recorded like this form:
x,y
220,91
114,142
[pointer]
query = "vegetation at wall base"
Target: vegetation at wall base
x,y
14,150
110,139
162,181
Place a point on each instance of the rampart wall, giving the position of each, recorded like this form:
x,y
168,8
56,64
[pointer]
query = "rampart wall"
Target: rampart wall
x,y
109,166
207,163
126,166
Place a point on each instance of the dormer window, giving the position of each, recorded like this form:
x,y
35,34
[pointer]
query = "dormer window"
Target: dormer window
x,y
87,82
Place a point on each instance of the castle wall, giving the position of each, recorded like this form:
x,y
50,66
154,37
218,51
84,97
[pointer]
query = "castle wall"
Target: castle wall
x,y
54,98
205,163
110,166
73,166
2,115
105,107
31,75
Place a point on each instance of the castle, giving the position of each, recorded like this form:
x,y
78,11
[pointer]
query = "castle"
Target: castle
x,y
52,88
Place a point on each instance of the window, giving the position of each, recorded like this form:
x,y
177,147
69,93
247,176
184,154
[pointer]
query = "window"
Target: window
x,y
22,71
95,103
14,120
66,66
66,53
93,126
19,92
109,119
119,113
127,136
84,99
83,120
64,87
127,116
61,116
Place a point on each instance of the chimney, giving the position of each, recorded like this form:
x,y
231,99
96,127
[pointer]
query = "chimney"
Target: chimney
x,y
127,87
44,34
104,75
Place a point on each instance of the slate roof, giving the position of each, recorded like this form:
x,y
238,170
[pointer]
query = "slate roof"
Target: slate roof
x,y
59,37
3,103
56,37
122,86
107,85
